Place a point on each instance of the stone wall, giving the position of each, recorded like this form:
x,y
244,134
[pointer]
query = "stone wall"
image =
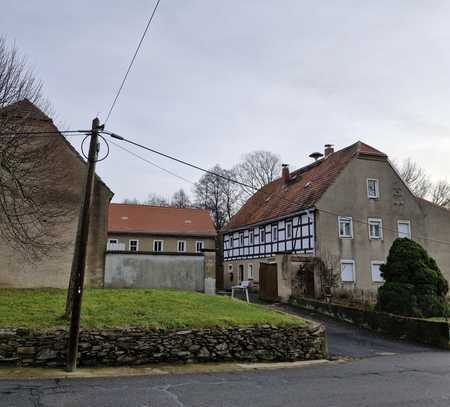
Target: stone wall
x,y
428,332
23,347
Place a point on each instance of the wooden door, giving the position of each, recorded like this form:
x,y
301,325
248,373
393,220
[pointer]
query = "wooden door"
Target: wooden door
x,y
268,281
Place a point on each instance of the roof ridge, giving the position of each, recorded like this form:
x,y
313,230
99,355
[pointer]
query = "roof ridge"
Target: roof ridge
x,y
313,180
157,206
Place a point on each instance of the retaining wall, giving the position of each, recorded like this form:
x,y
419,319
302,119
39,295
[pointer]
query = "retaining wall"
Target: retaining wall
x,y
23,347
418,330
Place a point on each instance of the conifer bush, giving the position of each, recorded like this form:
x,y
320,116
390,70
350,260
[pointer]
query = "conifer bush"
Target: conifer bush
x,y
414,285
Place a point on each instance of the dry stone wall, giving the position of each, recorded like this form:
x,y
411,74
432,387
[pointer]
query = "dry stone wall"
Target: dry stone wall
x,y
127,347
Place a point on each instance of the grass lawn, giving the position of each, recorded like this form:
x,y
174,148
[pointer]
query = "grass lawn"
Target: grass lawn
x,y
108,308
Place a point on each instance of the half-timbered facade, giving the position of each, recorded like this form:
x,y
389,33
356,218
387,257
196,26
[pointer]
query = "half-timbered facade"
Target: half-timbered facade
x,y
294,233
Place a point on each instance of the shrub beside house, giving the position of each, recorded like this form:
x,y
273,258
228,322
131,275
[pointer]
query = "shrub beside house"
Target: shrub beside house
x,y
414,285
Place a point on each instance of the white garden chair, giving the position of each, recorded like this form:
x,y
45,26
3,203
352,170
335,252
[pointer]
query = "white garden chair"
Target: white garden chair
x,y
243,286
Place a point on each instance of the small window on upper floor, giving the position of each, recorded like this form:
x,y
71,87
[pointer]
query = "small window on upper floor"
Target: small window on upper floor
x,y
133,245
199,246
158,245
231,242
375,229
289,230
181,246
404,228
251,237
241,240
345,227
373,188
274,233
262,235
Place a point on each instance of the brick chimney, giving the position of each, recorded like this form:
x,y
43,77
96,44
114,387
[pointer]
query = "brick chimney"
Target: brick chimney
x,y
285,173
329,149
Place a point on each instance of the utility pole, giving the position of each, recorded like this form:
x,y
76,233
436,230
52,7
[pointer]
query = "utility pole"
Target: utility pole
x,y
79,258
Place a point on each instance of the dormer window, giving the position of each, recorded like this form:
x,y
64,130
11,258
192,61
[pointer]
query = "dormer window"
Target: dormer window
x,y
373,189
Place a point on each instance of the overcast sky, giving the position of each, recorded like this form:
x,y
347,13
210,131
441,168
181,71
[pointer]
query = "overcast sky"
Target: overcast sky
x,y
216,79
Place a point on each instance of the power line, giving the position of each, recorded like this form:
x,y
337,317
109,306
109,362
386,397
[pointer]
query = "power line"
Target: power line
x,y
254,188
152,163
132,62
226,178
46,133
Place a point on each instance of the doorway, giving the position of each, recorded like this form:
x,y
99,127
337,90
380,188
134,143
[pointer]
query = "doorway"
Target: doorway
x,y
241,273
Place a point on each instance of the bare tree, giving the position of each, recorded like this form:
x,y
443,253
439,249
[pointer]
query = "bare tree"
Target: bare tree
x,y
180,199
421,185
416,178
157,200
441,194
328,271
257,169
31,190
219,195
131,201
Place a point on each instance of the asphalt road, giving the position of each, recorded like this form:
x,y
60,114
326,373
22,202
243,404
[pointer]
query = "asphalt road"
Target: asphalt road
x,y
381,372
346,340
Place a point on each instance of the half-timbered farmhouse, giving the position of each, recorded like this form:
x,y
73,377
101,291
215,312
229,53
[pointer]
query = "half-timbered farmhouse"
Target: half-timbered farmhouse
x,y
349,205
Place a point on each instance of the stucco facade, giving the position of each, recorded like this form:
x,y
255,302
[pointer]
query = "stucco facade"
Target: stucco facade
x,y
53,270
170,242
348,197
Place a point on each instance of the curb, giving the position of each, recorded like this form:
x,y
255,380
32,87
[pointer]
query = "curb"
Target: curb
x,y
154,370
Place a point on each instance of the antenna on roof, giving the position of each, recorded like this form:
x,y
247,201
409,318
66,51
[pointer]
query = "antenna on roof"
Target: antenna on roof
x,y
316,155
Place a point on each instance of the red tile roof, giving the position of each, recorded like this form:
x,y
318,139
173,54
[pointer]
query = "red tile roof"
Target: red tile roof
x,y
307,185
130,218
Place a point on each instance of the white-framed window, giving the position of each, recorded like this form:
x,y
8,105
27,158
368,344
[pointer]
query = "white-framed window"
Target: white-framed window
x,y
274,233
199,245
113,241
133,245
404,228
250,271
241,240
262,235
345,224
347,271
231,242
181,246
288,230
158,245
373,188
376,273
375,229
251,237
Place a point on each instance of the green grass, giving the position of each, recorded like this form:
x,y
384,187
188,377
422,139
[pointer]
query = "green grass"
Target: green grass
x,y
108,308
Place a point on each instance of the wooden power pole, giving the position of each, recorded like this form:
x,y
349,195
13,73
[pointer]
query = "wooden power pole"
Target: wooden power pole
x,y
79,258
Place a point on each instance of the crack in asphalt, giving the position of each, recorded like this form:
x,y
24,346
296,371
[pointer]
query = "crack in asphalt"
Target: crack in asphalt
x,y
170,394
